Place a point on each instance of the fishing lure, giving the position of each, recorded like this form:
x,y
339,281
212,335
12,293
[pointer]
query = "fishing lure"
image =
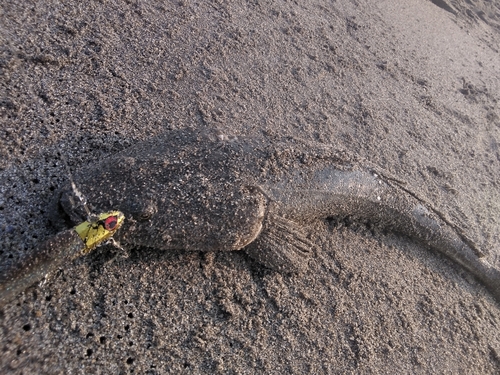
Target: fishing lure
x,y
61,249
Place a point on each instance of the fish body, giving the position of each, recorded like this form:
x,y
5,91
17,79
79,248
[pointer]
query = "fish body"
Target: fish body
x,y
194,191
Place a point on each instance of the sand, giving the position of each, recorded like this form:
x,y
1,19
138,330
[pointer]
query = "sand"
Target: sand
x,y
409,86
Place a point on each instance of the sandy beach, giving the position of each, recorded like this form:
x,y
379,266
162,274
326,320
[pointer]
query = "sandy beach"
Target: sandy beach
x,y
410,86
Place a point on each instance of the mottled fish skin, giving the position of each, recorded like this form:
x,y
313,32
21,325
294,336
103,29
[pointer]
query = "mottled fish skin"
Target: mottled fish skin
x,y
178,192
193,191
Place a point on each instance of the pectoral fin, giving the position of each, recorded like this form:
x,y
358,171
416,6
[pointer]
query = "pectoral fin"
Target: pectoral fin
x,y
282,245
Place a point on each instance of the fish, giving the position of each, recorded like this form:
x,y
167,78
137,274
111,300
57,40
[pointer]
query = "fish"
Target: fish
x,y
198,190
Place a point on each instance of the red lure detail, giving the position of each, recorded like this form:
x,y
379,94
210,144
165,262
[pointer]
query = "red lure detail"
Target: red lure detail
x,y
110,223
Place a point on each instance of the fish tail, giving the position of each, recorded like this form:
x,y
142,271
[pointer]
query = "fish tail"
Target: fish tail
x,y
491,279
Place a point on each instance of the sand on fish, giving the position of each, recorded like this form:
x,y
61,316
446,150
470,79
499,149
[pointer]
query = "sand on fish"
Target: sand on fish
x,y
410,86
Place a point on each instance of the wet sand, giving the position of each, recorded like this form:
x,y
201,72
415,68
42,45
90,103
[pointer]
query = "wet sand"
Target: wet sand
x,y
409,86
